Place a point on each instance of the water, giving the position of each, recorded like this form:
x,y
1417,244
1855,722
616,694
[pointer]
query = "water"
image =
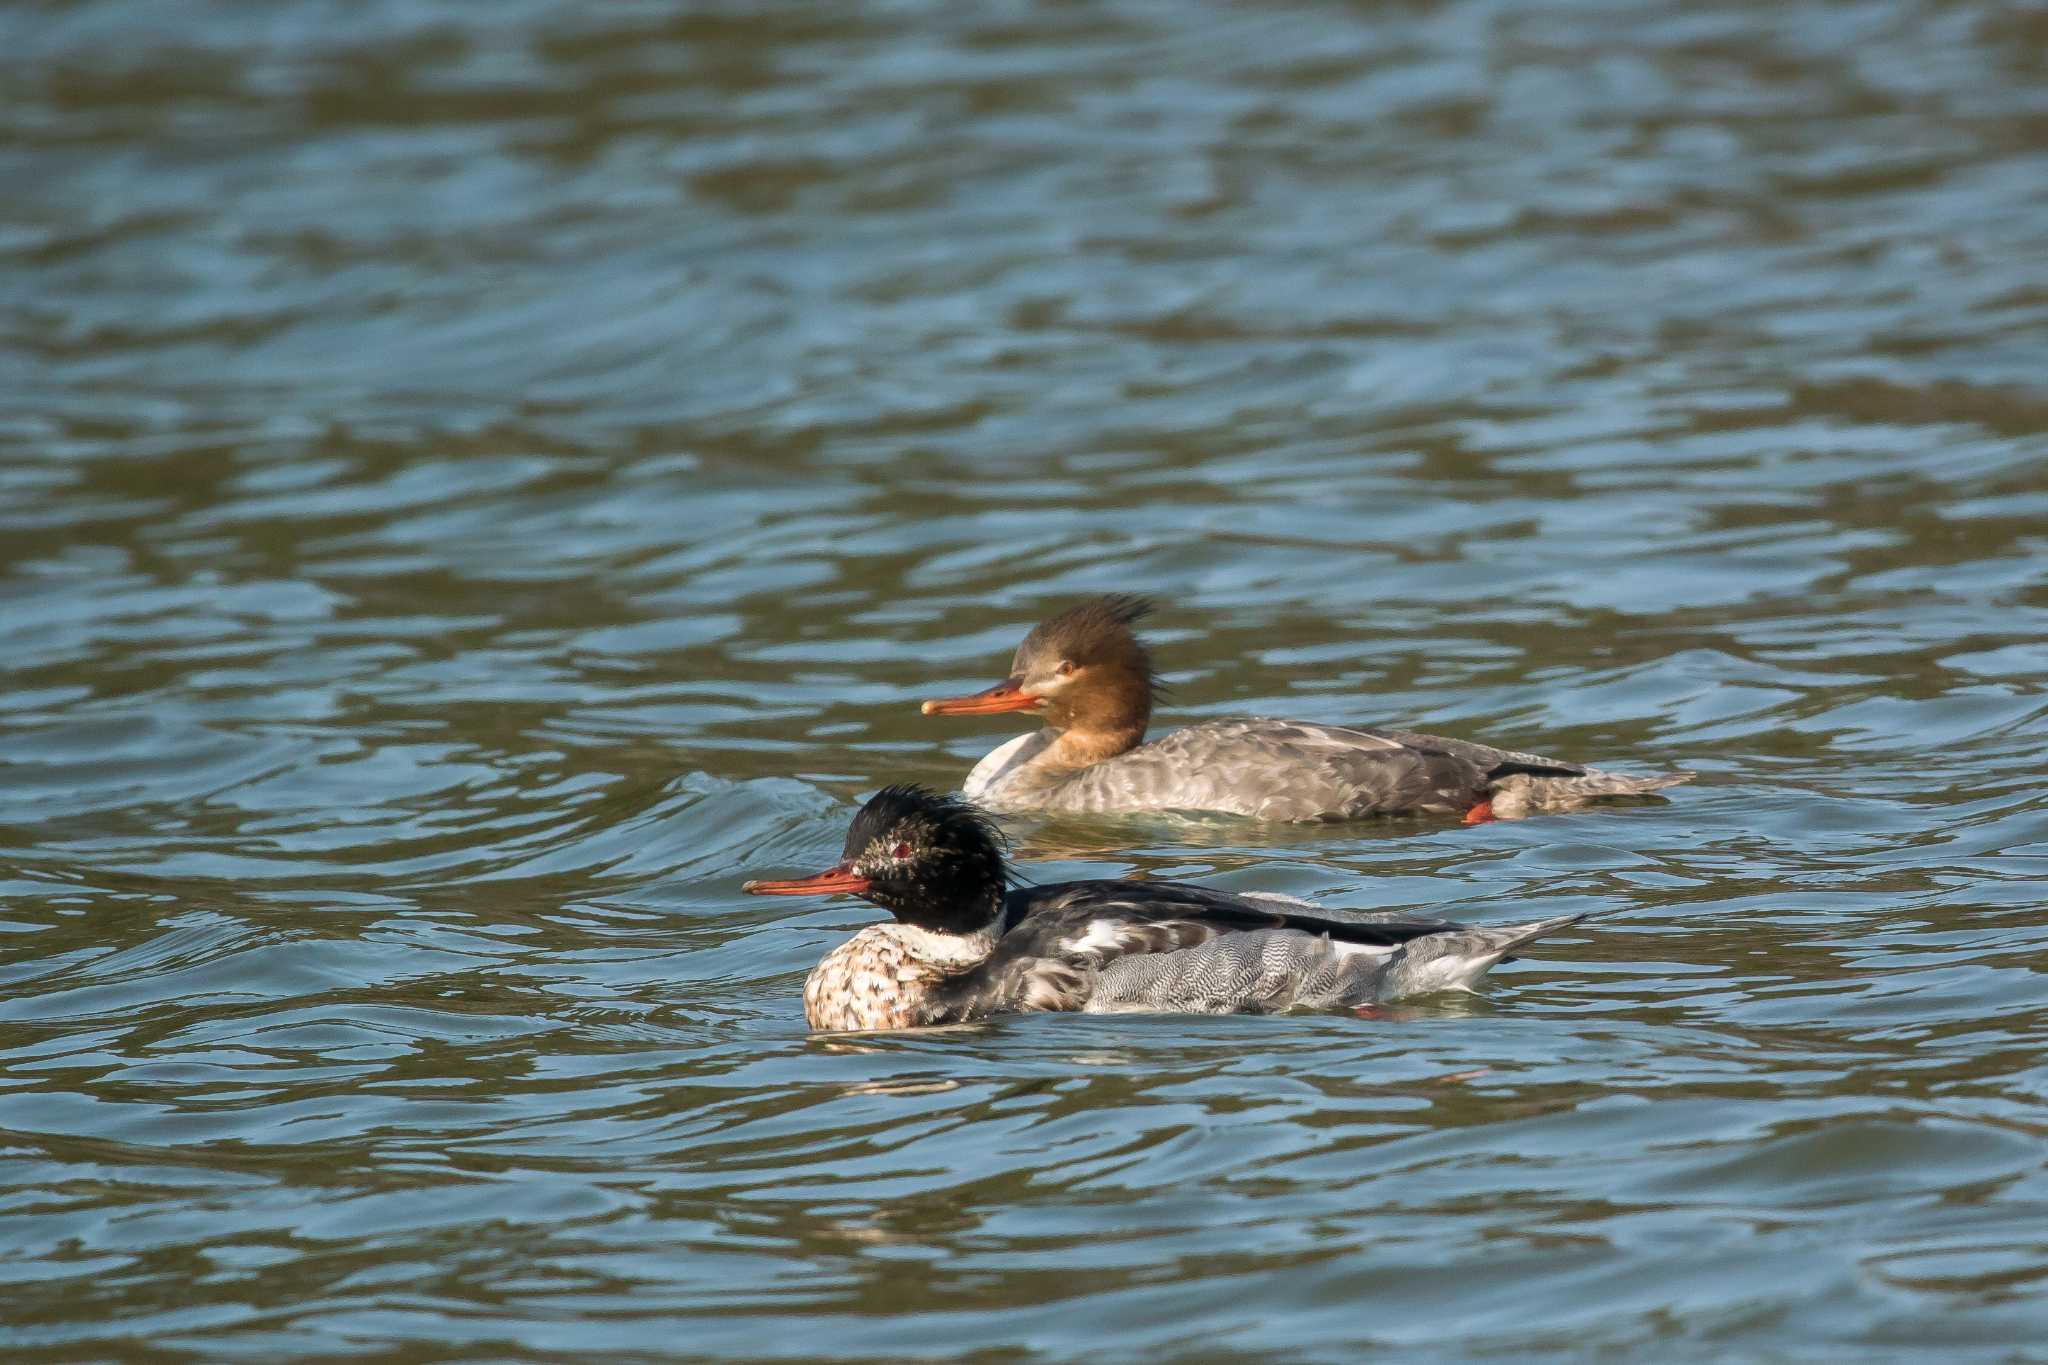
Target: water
x,y
477,482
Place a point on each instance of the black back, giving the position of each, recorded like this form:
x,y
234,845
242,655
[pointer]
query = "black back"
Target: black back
x,y
1036,915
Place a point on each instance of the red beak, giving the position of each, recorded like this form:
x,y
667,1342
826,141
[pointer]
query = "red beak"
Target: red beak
x,y
829,882
1007,695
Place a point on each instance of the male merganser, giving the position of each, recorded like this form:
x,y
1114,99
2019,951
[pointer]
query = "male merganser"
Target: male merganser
x,y
1086,673
964,944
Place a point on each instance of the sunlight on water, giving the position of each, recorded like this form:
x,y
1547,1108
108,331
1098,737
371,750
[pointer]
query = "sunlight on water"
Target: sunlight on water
x,y
478,483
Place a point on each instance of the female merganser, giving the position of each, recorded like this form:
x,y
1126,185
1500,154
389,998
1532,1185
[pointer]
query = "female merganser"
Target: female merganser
x,y
964,944
1086,673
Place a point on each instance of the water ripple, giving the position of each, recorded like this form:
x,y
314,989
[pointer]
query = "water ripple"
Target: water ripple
x,y
480,482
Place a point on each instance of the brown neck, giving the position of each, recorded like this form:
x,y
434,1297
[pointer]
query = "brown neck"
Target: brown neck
x,y
1104,715
1079,748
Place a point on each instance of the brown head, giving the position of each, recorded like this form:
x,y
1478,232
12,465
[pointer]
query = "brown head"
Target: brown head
x,y
1083,671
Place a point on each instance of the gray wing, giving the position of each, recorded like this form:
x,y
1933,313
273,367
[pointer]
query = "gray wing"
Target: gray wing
x,y
1484,756
1262,971
1278,770
1086,946
1266,971
1524,783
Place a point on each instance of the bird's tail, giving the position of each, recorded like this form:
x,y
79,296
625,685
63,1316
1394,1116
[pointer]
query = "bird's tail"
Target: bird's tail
x,y
1455,960
1520,794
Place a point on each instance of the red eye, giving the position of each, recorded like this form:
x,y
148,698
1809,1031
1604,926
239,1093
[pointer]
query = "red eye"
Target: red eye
x,y
1064,669
900,852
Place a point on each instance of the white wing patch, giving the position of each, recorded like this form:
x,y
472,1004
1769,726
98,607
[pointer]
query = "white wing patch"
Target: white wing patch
x,y
1102,936
1341,948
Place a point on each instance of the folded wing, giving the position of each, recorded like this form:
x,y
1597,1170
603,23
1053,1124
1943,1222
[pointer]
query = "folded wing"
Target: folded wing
x,y
1126,945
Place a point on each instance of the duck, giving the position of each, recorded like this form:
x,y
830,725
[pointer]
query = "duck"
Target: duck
x,y
965,940
1088,677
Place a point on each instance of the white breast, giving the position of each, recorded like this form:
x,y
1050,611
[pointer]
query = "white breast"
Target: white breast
x,y
1003,762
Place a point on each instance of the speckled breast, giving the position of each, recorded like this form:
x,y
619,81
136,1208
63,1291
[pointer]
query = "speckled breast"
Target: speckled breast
x,y
872,981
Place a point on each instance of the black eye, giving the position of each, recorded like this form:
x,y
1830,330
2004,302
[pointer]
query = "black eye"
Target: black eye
x,y
900,852
1064,669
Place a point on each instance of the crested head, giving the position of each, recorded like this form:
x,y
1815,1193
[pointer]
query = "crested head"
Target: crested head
x,y
1084,672
1100,630
930,859
1090,667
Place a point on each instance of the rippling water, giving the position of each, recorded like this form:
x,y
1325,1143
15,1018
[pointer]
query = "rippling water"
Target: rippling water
x,y
476,482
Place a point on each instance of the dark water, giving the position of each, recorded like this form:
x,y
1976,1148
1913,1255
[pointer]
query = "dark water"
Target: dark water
x,y
477,481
